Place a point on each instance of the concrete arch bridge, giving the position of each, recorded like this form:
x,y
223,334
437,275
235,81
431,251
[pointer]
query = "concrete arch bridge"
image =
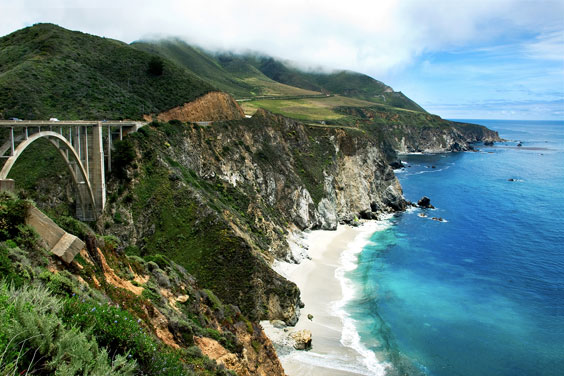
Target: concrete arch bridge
x,y
86,147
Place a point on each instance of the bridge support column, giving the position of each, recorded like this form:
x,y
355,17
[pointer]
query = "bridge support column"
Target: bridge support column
x,y
96,168
7,185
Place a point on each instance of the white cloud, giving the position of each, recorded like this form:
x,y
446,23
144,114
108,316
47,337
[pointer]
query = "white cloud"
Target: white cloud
x,y
548,46
370,36
387,39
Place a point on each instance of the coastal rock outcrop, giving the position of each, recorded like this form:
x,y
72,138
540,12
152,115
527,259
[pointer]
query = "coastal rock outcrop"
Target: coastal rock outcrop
x,y
410,132
302,339
425,203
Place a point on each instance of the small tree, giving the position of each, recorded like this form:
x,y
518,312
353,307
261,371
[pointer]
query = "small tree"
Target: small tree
x,y
156,66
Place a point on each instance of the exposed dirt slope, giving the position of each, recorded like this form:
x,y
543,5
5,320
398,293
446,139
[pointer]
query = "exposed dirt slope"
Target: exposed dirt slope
x,y
214,106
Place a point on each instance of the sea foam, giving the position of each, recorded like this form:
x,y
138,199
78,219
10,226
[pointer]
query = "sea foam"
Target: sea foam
x,y
350,336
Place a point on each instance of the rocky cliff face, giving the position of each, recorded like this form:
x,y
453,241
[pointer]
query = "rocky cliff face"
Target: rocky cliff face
x,y
409,131
222,199
214,106
453,137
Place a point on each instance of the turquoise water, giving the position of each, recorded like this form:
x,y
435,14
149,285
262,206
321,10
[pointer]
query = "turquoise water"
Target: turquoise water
x,y
483,292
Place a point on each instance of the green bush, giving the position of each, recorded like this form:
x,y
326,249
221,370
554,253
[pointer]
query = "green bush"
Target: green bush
x,y
122,156
34,339
59,283
156,66
74,226
161,260
111,242
7,270
12,214
118,330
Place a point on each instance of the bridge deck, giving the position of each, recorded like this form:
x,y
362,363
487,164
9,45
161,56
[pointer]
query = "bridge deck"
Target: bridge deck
x,y
66,123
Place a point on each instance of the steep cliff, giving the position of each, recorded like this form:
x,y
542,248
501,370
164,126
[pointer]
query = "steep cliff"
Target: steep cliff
x,y
221,199
409,131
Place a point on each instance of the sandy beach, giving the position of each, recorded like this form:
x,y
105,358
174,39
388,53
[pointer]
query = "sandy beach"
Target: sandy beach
x,y
336,349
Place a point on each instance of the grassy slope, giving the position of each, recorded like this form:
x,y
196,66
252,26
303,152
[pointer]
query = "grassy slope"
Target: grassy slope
x,y
344,83
316,109
47,71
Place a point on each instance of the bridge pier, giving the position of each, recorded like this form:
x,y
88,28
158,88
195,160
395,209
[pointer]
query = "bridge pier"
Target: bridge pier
x,y
96,171
8,185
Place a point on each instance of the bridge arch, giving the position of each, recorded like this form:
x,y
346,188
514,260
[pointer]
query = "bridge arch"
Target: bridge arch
x,y
86,195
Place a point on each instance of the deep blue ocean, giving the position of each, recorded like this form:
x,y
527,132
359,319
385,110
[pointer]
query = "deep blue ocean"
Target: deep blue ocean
x,y
483,292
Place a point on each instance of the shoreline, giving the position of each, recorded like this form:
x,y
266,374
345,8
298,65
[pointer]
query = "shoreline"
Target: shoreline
x,y
336,347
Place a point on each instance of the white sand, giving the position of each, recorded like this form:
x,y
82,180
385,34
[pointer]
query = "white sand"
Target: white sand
x,y
324,291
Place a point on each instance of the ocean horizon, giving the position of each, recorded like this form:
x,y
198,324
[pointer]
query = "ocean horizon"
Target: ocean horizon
x,y
482,291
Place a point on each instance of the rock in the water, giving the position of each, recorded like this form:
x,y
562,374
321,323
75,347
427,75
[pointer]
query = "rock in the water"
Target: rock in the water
x,y
438,219
519,144
396,164
488,143
456,147
302,339
310,316
425,203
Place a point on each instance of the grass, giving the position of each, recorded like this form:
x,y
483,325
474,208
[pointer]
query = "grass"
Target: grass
x,y
301,109
266,86
308,109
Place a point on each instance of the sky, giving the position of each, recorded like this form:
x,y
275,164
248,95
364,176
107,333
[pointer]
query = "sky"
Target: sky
x,y
460,59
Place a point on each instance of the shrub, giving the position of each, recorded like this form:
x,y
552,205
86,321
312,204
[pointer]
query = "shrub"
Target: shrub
x,y
161,260
74,226
118,330
110,242
33,339
7,269
59,283
156,66
122,156
12,214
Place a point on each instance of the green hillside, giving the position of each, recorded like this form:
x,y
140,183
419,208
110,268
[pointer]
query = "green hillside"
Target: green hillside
x,y
345,83
47,71
228,72
198,62
251,75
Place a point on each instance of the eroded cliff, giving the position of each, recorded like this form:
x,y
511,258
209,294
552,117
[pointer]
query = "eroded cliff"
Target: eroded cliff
x,y
214,106
221,199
